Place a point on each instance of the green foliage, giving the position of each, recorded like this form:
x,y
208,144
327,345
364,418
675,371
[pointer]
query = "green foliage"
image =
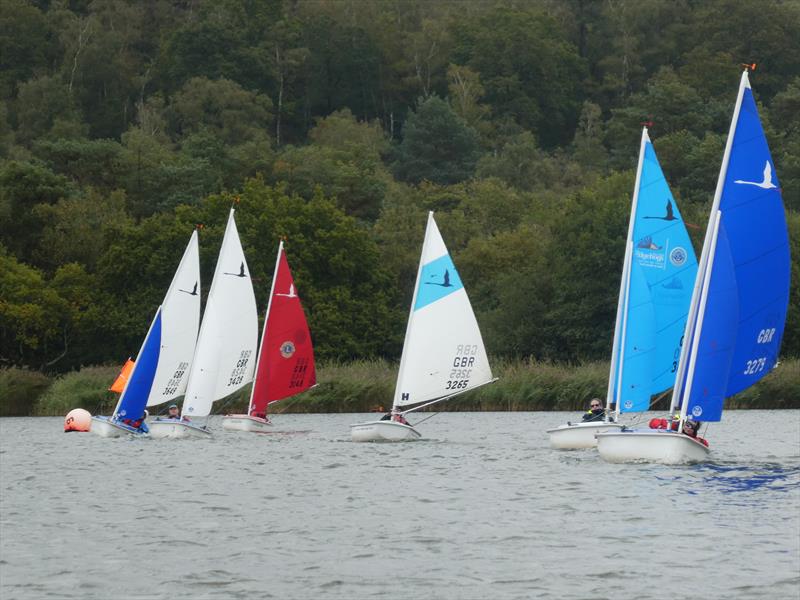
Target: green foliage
x,y
437,146
529,71
19,391
87,389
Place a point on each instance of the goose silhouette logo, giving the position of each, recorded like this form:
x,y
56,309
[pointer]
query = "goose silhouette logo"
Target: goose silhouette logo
x,y
192,293
647,243
291,293
446,280
766,184
678,256
239,274
670,216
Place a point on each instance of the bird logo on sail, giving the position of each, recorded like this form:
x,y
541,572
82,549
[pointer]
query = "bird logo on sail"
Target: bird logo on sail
x,y
446,280
647,243
239,274
192,293
291,294
670,216
765,184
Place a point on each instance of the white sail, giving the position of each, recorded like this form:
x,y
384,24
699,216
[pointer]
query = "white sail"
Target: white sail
x,y
180,320
443,354
226,348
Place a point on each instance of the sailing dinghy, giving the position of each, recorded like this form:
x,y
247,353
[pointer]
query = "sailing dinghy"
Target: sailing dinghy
x,y
443,354
225,353
160,371
285,364
741,294
658,273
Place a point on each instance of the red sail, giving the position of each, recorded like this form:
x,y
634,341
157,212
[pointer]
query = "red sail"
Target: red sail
x,y
286,357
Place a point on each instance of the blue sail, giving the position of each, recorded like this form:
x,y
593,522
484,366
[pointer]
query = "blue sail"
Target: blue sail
x,y
744,309
134,398
662,273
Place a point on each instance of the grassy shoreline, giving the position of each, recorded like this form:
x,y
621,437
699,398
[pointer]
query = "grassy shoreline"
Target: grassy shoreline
x,y
368,385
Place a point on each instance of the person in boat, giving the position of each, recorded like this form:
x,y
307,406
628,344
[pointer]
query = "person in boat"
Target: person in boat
x,y
691,428
138,424
595,412
173,412
387,417
260,415
398,417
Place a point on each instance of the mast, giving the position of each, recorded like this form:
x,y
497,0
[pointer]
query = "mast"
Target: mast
x,y
693,324
624,289
266,319
403,357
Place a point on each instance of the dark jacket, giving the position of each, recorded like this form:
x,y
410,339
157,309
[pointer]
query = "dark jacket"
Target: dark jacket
x,y
599,415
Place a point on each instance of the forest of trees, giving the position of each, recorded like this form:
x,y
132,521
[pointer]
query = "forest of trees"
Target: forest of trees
x,y
338,124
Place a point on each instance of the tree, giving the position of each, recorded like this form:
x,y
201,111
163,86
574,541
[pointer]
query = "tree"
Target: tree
x,y
437,146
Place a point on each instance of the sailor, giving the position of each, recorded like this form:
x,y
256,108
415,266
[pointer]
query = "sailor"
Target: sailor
x,y
172,412
595,412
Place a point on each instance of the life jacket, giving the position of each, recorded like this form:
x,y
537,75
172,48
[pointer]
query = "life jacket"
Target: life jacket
x,y
656,423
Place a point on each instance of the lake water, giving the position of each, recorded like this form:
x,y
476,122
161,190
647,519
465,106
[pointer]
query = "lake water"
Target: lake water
x,y
480,508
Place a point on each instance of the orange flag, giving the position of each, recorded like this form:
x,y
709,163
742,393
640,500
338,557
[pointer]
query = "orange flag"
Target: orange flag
x,y
122,378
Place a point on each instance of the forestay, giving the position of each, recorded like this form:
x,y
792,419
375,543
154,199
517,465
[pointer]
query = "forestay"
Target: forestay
x,y
742,304
225,355
443,353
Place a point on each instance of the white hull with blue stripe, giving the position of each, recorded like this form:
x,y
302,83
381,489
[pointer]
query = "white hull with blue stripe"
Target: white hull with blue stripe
x,y
105,427
577,436
666,447
383,431
246,423
173,428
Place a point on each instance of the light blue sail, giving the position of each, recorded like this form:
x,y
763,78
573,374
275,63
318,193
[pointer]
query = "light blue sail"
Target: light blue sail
x,y
742,319
134,398
662,269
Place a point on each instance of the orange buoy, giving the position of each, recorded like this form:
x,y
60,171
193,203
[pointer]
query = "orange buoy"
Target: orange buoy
x,y
78,419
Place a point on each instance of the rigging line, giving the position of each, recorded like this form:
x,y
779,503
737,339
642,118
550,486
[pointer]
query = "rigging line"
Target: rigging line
x,y
425,419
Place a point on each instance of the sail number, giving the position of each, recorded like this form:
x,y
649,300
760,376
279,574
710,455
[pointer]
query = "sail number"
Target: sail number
x,y
755,366
765,335
174,382
237,375
299,373
463,360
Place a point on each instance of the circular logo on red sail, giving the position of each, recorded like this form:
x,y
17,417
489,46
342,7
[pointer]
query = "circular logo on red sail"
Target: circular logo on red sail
x,y
287,349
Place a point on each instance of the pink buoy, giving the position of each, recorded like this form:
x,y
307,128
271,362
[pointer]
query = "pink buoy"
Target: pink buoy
x,y
78,419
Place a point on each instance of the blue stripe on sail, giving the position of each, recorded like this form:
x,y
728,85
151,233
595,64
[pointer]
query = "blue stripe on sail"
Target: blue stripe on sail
x,y
133,403
663,257
438,279
750,273
639,352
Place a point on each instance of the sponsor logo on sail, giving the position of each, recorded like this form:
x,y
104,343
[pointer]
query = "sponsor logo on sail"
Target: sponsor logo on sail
x,y
697,411
287,349
628,404
678,256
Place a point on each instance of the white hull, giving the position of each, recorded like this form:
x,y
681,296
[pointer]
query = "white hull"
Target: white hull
x,y
171,428
246,423
668,447
574,436
104,427
383,431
